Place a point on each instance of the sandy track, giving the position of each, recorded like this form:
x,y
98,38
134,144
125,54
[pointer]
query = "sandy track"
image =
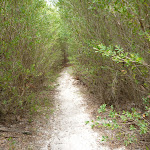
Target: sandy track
x,y
69,131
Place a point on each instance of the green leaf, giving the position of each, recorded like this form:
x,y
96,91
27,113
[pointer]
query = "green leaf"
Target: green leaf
x,y
104,138
86,122
132,127
92,126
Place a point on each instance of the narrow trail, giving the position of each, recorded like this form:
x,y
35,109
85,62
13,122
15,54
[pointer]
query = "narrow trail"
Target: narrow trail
x,y
69,131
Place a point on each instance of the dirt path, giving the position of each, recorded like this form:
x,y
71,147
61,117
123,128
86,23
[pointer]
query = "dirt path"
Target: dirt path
x,y
65,129
69,131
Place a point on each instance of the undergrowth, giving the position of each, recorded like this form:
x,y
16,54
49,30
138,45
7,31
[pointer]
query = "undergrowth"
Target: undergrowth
x,y
129,126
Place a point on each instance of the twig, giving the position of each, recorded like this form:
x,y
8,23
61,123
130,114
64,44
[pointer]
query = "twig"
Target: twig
x,y
9,130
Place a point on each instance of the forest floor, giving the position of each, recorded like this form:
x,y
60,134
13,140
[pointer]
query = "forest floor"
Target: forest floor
x,y
62,127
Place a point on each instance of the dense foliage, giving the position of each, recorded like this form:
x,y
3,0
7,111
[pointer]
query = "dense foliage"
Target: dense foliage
x,y
30,51
109,43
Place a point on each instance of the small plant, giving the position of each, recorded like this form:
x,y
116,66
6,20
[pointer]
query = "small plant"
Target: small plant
x,y
127,124
12,143
102,108
104,138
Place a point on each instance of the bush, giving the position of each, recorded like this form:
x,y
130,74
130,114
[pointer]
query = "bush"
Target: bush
x,y
30,51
